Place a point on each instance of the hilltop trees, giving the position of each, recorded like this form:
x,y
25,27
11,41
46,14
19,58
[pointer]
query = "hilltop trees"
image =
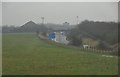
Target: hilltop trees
x,y
8,29
27,27
105,32
74,37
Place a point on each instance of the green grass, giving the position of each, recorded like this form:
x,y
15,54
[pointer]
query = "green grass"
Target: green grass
x,y
25,54
0,54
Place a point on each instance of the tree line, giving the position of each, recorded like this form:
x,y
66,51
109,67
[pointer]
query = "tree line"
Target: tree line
x,y
105,32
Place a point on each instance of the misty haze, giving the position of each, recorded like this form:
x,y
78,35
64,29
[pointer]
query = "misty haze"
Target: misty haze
x,y
60,38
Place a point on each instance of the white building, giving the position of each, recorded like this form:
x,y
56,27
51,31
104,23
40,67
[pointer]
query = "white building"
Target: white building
x,y
59,36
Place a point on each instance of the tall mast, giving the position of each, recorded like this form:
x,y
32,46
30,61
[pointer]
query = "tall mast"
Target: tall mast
x,y
42,20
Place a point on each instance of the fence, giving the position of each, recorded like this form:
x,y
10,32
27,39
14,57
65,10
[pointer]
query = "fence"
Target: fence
x,y
95,50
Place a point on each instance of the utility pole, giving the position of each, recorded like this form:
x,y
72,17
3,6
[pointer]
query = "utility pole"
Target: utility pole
x,y
77,20
42,20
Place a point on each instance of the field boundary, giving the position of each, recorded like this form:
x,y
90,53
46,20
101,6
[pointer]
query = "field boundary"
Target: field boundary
x,y
93,50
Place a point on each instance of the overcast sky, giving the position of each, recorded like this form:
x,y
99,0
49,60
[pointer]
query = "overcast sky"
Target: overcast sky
x,y
18,13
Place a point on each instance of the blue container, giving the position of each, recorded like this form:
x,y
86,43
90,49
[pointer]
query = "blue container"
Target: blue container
x,y
51,35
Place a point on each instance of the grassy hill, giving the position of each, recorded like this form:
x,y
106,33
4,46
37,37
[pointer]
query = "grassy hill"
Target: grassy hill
x,y
26,54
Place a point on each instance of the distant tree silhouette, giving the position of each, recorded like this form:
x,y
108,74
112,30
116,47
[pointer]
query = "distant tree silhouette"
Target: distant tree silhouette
x,y
27,27
74,37
107,32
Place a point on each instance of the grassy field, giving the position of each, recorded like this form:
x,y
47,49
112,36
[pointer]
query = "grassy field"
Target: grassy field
x,y
0,54
26,54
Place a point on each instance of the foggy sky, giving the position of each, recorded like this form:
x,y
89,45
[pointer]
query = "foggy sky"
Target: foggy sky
x,y
18,13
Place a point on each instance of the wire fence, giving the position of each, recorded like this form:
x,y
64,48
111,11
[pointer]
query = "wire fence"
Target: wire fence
x,y
95,50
